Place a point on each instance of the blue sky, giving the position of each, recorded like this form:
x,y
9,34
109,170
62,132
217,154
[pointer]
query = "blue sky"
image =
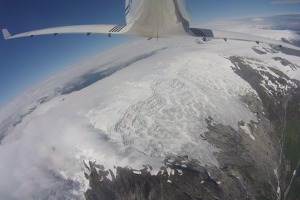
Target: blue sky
x,y
26,61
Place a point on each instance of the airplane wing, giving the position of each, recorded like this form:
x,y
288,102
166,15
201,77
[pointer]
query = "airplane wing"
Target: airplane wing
x,y
83,29
227,35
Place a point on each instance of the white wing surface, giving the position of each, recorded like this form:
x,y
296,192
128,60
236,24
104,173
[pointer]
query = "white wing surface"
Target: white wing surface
x,y
80,29
227,35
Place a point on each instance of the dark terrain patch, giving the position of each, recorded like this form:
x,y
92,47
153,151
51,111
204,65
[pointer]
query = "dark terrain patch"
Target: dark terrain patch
x,y
258,51
287,51
285,62
283,111
194,183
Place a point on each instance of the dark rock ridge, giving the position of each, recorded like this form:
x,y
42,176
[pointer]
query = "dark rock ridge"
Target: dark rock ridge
x,y
188,181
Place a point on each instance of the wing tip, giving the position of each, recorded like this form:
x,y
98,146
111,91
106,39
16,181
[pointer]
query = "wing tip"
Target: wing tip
x,y
6,34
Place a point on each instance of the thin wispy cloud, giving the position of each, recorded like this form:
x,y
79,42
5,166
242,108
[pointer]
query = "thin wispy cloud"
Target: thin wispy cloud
x,y
286,1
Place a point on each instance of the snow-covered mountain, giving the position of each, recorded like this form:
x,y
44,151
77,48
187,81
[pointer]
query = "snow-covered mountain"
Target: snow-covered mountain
x,y
200,118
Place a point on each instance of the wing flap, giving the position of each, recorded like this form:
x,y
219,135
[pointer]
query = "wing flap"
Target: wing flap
x,y
227,35
80,29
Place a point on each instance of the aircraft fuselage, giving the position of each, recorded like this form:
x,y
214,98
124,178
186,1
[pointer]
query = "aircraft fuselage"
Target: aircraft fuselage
x,y
157,18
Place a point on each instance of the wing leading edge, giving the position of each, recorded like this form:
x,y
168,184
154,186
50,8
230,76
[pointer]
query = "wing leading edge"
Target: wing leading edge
x,y
227,35
80,29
